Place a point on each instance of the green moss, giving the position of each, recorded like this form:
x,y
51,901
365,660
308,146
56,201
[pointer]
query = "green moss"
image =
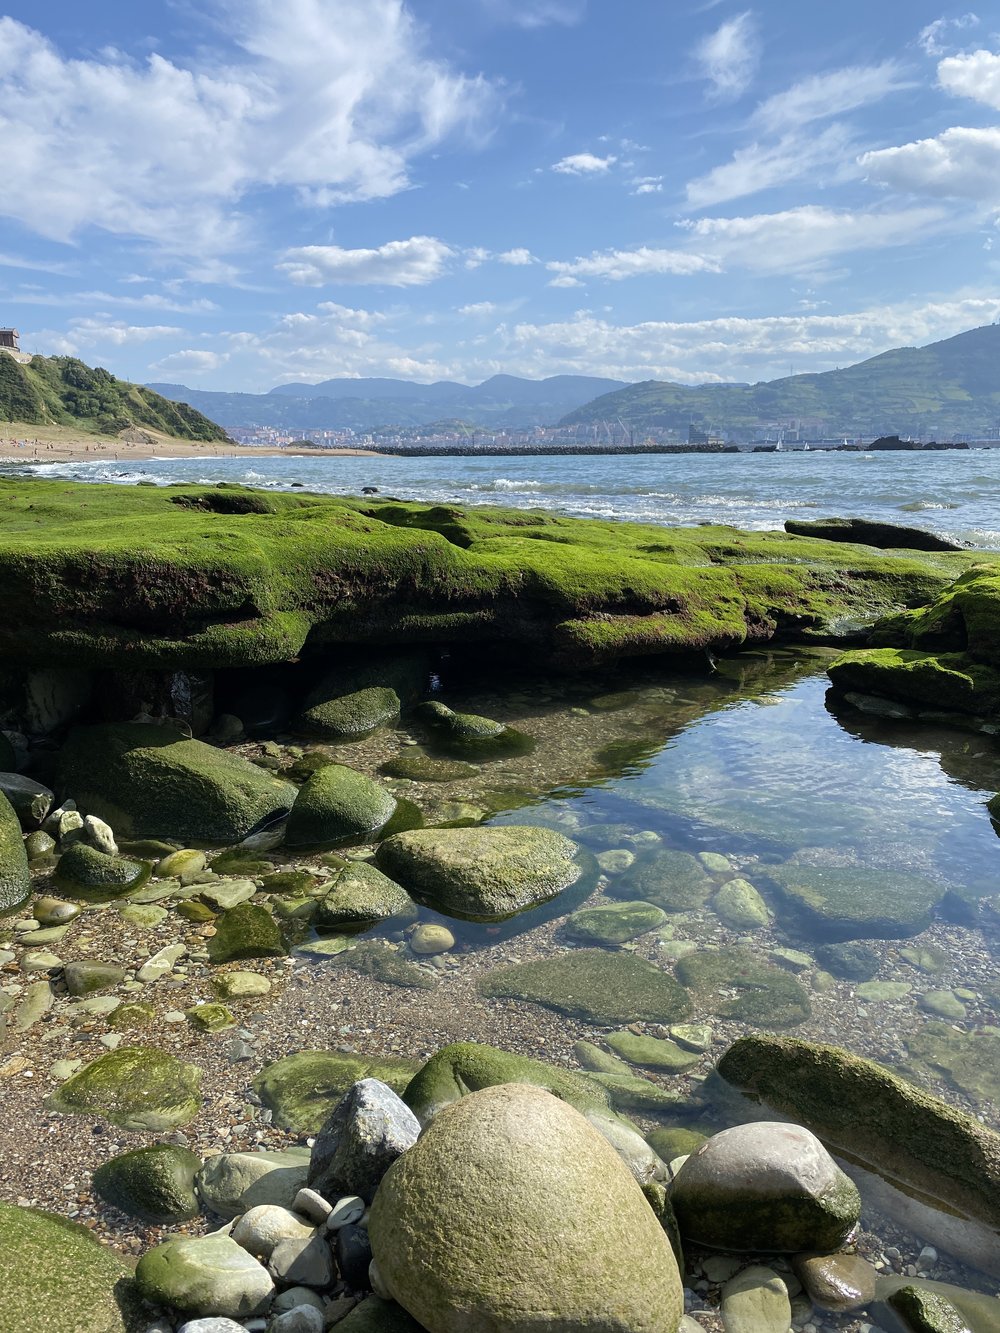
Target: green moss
x,y
927,1312
56,1278
210,1017
123,576
672,880
652,1052
155,1184
294,883
135,1087
375,958
361,897
875,1117
246,931
616,923
766,996
150,781
302,1089
87,873
953,682
15,878
338,805
470,736
594,985
416,766
855,903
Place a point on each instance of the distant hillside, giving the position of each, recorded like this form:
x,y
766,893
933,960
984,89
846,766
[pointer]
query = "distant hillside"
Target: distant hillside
x,y
949,388
61,391
502,402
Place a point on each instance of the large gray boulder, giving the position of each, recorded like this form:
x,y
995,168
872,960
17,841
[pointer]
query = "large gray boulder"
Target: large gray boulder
x,y
152,782
511,1211
367,1131
481,874
205,1275
15,878
765,1186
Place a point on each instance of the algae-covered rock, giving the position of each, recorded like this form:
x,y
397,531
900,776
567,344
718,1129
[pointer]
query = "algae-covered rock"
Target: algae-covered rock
x,y
871,532
135,1087
240,985
15,878
927,1311
155,1184
87,873
57,1278
969,1061
882,1121
470,736
415,766
210,1017
616,923
950,682
338,805
855,903
204,1275
765,1186
980,1313
851,962
353,700
430,938
246,931
31,801
670,879
481,874
232,1182
594,985
360,897
652,1052
376,958
86,977
739,906
538,1163
302,1089
152,782
765,995
756,1301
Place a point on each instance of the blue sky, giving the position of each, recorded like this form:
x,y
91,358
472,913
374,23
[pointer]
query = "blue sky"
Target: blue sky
x,y
233,194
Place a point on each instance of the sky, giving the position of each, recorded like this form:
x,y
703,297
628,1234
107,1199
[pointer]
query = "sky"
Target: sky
x,y
233,194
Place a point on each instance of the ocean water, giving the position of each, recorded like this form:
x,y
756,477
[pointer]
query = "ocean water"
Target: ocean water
x,y
954,492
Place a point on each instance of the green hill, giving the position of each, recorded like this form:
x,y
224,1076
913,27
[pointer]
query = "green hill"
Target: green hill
x,y
61,391
947,389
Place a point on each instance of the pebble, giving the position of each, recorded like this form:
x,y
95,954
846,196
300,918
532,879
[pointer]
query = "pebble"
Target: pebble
x,y
345,1212
306,1263
303,1319
161,963
311,1204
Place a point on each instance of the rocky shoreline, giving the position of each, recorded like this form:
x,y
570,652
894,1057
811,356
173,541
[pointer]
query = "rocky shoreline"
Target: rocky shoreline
x,y
208,875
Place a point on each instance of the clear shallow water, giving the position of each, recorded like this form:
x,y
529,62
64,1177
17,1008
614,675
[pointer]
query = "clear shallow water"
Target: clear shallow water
x,y
956,492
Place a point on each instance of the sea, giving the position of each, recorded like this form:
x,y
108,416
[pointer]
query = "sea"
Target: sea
x,y
956,492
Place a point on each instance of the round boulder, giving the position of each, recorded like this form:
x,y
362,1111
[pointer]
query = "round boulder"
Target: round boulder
x,y
155,1183
767,1186
481,874
337,805
15,879
204,1275
555,1236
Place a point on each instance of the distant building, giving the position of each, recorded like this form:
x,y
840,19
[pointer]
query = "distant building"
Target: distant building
x,y
706,438
10,342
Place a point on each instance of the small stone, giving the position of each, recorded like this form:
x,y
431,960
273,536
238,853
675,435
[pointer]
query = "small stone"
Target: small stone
x,y
210,1017
40,961
616,860
87,977
345,1212
301,1319
209,1325
55,912
652,1052
292,1298
756,1301
943,1004
161,963
99,835
304,1262
692,1036
430,938
874,991
240,985
228,893
354,1256
739,906
205,1275
715,863
312,1205
185,865
39,845
794,959
838,1283
145,917
38,1000
260,1229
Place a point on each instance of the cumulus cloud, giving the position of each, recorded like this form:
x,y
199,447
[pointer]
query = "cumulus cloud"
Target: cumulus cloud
x,y
584,164
646,185
478,308
332,98
116,333
960,163
802,240
931,38
619,264
411,263
728,58
975,75
518,257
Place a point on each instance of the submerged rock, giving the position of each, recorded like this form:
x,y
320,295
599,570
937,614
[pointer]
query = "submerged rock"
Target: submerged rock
x,y
416,766
739,906
969,1061
481,874
670,879
302,1089
851,962
135,1087
470,736
884,1122
855,903
765,1187
152,782
539,1163
338,805
616,923
765,994
595,985
351,702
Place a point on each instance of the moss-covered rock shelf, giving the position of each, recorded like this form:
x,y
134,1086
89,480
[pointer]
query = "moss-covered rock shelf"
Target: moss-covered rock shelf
x,y
108,576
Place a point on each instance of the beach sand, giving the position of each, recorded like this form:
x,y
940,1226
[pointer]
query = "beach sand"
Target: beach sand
x,y
21,443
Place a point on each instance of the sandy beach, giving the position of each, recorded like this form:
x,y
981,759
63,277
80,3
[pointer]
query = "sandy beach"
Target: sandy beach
x,y
21,443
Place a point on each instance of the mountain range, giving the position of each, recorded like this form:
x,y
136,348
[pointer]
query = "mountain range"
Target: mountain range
x,y
502,402
947,389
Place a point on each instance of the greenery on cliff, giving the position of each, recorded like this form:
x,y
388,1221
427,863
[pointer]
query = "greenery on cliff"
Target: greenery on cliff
x,y
948,388
62,391
225,576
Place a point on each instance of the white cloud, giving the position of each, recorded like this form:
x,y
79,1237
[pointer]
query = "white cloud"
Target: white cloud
x,y
476,256
960,163
518,257
411,263
802,240
823,96
930,37
92,331
763,166
618,264
359,319
975,75
647,185
728,57
478,308
583,164
190,361
330,97
536,13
